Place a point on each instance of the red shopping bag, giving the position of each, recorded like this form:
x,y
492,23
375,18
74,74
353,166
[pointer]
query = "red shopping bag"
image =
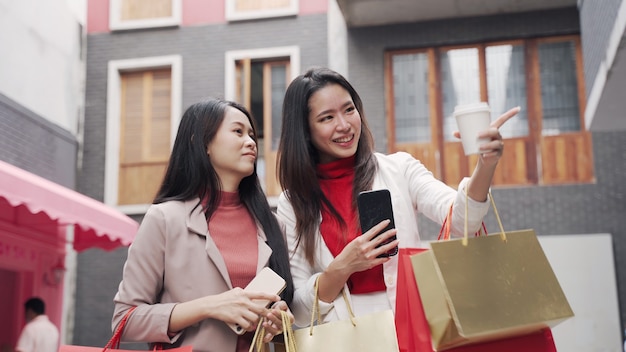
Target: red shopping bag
x,y
540,341
411,325
114,342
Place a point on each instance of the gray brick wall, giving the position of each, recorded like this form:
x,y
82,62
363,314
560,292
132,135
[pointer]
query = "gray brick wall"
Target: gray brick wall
x,y
597,19
202,49
37,145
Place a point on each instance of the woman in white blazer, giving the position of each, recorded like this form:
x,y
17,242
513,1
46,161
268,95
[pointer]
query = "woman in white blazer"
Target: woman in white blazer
x,y
326,157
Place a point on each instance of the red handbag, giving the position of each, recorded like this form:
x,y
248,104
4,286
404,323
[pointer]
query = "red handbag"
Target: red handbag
x,y
114,342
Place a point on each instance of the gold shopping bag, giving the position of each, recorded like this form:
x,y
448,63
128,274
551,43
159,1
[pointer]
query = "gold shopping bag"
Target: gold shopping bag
x,y
374,332
488,287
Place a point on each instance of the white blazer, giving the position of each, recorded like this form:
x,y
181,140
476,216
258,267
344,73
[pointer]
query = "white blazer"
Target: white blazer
x,y
413,189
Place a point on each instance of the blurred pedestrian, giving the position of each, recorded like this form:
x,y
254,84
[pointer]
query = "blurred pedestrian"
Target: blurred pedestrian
x,y
39,333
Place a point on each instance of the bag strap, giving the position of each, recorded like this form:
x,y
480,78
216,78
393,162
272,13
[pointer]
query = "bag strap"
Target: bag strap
x,y
288,338
315,311
444,232
446,227
495,210
114,342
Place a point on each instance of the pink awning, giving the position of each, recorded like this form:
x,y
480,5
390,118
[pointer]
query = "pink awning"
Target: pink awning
x,y
34,202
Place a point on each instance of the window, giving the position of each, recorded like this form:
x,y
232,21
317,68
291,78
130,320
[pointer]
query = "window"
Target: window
x,y
258,79
237,10
144,134
545,143
142,117
133,14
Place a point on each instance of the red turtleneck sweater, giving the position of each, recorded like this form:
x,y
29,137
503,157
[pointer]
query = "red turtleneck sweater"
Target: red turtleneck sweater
x,y
336,179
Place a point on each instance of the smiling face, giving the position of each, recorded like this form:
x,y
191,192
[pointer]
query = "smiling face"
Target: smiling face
x,y
233,150
335,123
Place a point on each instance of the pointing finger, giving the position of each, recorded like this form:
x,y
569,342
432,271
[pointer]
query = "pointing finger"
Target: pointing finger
x,y
497,123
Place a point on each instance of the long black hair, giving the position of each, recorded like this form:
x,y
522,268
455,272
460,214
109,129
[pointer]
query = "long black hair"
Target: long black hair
x,y
298,157
191,175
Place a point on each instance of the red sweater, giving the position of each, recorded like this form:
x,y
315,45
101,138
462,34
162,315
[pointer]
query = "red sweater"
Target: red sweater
x,y
336,180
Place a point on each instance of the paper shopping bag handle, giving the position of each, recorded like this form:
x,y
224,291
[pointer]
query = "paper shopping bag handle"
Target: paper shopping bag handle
x,y
288,338
495,211
444,232
114,342
316,306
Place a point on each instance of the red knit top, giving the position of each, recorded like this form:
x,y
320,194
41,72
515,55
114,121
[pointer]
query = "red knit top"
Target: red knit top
x,y
234,232
336,179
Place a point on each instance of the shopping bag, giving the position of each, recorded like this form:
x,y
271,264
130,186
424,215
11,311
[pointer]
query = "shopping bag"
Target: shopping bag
x,y
411,324
114,342
539,341
414,333
369,333
488,288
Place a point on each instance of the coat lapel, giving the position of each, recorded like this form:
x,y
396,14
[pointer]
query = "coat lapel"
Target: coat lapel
x,y
264,250
196,223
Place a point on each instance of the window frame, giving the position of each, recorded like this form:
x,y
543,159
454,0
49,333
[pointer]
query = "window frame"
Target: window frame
x,y
113,119
117,24
442,156
286,53
233,15
272,53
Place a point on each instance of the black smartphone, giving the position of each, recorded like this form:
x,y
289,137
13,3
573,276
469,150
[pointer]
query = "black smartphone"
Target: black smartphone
x,y
374,207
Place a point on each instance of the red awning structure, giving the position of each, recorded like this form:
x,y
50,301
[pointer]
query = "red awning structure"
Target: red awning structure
x,y
34,202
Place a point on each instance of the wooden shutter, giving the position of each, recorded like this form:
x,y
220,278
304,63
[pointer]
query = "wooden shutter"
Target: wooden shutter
x,y
145,9
256,5
145,131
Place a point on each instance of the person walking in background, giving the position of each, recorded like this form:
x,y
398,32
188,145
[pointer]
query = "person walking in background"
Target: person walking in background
x,y
39,333
326,157
208,233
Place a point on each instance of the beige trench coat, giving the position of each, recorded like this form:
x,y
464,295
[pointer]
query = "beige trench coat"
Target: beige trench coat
x,y
173,259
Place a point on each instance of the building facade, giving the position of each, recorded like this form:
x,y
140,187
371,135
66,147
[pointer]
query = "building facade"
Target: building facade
x,y
562,172
43,220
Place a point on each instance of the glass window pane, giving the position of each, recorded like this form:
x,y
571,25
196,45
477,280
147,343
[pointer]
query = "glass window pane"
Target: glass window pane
x,y
256,96
411,106
460,84
279,86
506,86
559,88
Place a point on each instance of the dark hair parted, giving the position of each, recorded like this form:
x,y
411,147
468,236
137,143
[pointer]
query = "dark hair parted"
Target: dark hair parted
x,y
298,157
191,175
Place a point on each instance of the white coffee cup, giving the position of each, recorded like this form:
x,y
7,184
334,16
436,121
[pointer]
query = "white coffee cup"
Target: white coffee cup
x,y
472,119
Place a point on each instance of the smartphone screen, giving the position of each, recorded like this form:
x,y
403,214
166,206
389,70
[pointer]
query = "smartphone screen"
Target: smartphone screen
x,y
374,207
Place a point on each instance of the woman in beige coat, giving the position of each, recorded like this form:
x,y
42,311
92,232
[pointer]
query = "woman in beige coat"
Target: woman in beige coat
x,y
208,233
